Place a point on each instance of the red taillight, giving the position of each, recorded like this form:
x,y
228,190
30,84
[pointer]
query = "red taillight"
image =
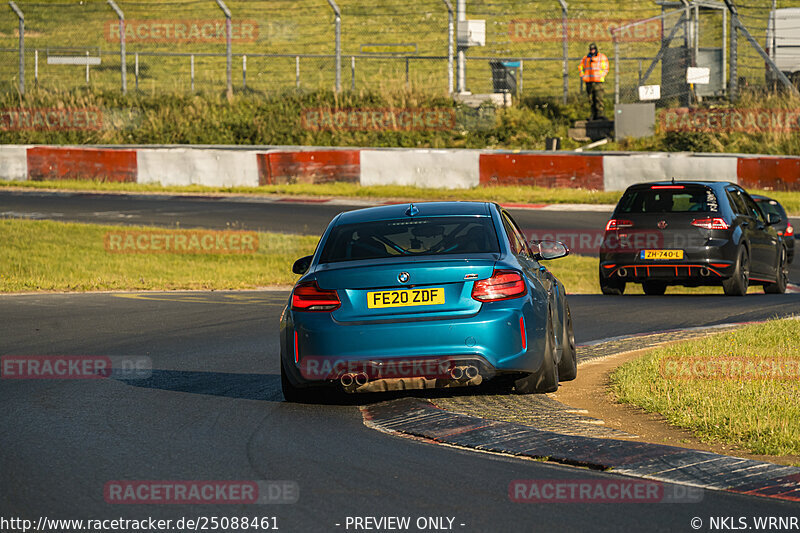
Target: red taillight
x,y
616,223
710,223
503,285
667,187
309,297
789,231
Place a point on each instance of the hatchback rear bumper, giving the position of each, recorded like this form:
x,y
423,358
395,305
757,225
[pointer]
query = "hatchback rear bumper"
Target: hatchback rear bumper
x,y
699,266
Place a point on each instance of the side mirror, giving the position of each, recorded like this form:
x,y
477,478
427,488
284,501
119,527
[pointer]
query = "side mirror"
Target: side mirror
x,y
545,250
773,218
301,265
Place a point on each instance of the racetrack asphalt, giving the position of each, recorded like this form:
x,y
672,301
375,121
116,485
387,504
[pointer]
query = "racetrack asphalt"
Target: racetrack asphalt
x,y
213,410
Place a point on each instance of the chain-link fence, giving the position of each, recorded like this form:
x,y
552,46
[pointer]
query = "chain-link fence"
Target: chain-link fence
x,y
783,45
531,48
657,65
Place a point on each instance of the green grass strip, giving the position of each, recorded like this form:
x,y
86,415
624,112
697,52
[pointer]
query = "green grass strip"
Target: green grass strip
x,y
761,415
57,256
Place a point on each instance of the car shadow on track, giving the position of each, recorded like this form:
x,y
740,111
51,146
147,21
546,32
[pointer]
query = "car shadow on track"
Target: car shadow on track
x,y
265,387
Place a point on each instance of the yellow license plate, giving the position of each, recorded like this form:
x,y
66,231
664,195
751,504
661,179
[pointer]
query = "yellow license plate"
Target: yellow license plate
x,y
662,255
405,298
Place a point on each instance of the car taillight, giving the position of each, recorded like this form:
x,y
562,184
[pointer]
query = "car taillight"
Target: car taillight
x,y
309,297
710,223
617,223
789,231
503,285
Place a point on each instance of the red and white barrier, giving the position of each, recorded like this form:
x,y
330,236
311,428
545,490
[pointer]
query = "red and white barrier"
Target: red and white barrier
x,y
450,169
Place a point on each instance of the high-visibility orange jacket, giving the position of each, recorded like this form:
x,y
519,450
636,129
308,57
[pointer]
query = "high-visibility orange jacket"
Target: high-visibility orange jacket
x,y
594,68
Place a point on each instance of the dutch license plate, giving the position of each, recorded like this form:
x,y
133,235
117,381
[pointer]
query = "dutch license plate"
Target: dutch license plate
x,y
405,298
661,255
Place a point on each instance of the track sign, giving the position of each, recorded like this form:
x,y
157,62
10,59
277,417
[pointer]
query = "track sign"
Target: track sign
x,y
698,75
650,92
471,33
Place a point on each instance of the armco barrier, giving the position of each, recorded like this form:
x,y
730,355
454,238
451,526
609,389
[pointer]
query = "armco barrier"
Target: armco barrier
x,y
544,170
198,166
774,172
14,162
441,169
450,169
623,170
314,166
57,163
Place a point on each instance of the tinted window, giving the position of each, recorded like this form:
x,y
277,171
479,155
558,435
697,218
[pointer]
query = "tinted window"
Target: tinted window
x,y
738,202
753,208
681,199
410,236
515,237
771,207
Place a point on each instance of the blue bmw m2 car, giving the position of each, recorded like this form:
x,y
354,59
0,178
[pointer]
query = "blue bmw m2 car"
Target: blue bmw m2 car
x,y
439,294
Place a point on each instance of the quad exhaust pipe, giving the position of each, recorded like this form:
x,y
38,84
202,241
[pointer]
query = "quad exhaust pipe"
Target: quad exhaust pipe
x,y
471,372
464,373
457,373
622,272
705,272
347,380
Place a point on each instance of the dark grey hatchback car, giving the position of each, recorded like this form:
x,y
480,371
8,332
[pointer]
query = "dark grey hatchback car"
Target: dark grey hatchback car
x,y
692,234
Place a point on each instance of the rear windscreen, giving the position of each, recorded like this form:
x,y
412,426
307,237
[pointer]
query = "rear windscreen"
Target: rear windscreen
x,y
410,236
772,207
669,199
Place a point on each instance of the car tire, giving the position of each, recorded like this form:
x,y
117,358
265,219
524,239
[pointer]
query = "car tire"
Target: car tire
x,y
654,288
782,275
611,287
294,394
568,366
546,379
737,284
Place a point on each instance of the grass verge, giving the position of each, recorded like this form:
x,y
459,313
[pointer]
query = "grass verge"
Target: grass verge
x,y
57,256
501,194
761,415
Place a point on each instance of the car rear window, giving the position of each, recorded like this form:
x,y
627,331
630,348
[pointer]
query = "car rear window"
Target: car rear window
x,y
669,199
770,206
409,237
